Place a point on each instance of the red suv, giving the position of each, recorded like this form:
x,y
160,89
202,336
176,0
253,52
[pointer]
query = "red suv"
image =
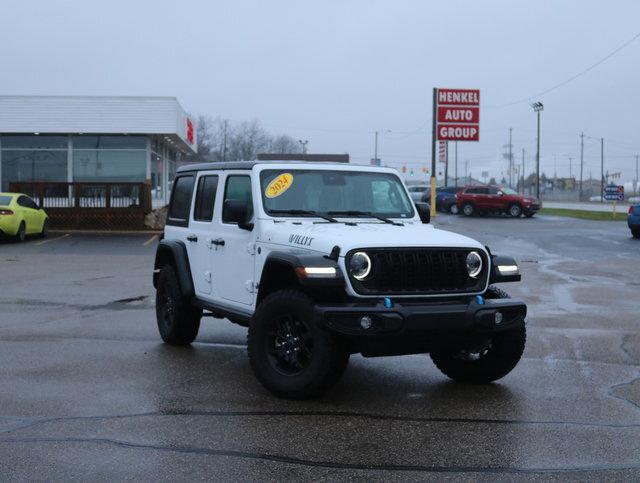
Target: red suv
x,y
495,199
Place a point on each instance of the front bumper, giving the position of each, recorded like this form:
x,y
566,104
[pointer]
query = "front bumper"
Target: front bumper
x,y
409,327
532,208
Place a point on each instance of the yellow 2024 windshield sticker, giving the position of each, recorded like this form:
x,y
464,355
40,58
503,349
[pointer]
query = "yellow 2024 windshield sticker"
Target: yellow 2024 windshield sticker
x,y
279,185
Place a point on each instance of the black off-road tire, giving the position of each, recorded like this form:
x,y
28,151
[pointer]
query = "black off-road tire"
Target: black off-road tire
x,y
635,232
501,357
178,321
328,358
21,235
468,209
515,210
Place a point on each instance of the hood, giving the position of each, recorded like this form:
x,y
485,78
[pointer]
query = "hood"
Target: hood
x,y
322,237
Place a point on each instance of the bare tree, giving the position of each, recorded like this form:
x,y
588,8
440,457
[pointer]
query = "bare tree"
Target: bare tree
x,y
284,144
246,140
243,141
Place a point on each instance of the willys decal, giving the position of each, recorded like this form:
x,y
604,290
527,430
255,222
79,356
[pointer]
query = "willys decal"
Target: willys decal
x,y
305,241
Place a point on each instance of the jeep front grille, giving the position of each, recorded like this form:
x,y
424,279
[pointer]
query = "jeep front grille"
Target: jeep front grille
x,y
419,271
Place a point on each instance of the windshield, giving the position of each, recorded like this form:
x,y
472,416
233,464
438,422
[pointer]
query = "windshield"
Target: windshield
x,y
509,191
5,200
340,193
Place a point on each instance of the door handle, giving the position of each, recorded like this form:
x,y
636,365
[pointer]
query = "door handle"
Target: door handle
x,y
192,238
219,242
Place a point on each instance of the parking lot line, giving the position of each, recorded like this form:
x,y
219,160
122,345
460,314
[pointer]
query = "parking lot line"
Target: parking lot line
x,y
53,239
150,240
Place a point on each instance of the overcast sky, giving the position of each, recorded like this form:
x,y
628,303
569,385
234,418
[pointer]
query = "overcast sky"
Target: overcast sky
x,y
333,72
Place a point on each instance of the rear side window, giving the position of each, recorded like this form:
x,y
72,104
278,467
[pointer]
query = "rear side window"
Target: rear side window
x,y
478,191
238,188
5,200
180,204
27,202
205,198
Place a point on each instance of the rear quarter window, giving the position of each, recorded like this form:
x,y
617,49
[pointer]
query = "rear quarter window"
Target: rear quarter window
x,y
180,204
5,200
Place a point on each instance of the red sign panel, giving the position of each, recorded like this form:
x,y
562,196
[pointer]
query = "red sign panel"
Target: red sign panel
x,y
458,115
459,97
458,132
190,131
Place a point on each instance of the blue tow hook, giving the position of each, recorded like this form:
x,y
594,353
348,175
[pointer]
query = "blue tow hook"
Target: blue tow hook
x,y
387,302
479,300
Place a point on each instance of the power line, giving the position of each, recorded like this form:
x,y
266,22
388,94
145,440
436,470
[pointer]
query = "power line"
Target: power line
x,y
566,81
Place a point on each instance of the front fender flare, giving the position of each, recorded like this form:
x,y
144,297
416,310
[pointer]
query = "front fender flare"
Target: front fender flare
x,y
174,252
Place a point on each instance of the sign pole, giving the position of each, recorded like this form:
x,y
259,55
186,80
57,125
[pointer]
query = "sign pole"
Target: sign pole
x,y
433,153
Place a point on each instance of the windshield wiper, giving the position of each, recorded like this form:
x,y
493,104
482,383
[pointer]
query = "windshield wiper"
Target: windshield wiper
x,y
303,213
365,213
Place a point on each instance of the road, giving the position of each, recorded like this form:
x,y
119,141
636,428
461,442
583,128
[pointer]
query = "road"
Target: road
x,y
90,392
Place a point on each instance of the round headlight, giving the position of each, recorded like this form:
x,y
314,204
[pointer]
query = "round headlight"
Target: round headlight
x,y
474,264
360,265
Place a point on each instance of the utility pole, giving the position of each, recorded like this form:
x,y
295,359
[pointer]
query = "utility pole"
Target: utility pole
x,y
601,170
570,172
224,142
434,115
446,163
456,173
537,107
304,145
523,178
581,162
635,186
510,160
466,170
375,151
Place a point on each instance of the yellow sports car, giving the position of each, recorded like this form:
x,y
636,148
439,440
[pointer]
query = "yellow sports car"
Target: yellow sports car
x,y
21,216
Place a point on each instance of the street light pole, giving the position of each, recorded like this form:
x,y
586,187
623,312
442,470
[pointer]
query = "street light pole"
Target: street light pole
x,y
375,150
523,171
537,107
304,145
581,162
601,170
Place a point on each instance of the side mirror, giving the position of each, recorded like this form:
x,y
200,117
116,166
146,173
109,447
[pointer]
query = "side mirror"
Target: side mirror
x,y
500,193
237,211
424,212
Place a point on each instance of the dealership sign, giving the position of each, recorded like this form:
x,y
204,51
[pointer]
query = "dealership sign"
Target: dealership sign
x,y
458,114
190,135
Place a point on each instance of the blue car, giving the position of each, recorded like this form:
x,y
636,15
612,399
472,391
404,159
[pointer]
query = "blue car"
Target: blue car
x,y
633,220
445,198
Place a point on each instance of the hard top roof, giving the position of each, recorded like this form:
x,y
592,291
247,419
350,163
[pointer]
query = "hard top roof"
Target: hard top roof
x,y
227,165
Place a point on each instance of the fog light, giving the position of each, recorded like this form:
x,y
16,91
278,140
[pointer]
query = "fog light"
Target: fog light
x,y
498,318
365,322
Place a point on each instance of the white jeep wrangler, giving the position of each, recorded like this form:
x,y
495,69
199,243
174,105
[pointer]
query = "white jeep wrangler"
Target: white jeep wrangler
x,y
321,261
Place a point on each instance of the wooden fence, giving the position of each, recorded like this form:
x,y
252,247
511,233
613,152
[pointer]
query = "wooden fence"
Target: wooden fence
x,y
95,206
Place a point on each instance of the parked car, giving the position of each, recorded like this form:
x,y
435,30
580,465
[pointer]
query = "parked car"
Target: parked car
x,y
633,220
21,216
495,199
416,192
321,261
445,198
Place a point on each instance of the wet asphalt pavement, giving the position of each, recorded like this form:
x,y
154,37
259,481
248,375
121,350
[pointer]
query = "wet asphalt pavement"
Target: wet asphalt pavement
x,y
88,391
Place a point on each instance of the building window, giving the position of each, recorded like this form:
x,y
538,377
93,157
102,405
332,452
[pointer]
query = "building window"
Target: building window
x,y
33,158
109,158
109,165
33,165
157,177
